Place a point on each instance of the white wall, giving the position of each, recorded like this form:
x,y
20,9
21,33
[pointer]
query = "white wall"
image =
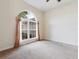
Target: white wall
x,y
4,24
61,24
9,9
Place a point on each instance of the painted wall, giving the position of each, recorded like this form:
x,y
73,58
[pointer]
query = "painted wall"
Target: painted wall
x,y
9,9
4,24
61,24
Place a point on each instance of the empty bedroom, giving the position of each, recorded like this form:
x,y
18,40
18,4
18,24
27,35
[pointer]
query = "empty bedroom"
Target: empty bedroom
x,y
38,29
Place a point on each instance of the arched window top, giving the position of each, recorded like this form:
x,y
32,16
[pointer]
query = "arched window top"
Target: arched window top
x,y
27,14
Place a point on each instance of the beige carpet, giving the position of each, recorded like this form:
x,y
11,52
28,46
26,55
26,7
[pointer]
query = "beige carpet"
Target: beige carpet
x,y
41,50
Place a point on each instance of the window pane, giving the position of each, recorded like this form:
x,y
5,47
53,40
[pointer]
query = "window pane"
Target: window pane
x,y
24,25
32,19
32,33
24,35
32,25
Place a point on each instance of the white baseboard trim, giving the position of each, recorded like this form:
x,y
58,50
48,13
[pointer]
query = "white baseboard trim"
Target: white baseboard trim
x,y
2,49
64,44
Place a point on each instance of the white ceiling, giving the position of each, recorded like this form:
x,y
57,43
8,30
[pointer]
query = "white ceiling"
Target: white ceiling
x,y
44,6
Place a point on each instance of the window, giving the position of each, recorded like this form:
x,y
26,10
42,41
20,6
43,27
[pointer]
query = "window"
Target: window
x,y
28,27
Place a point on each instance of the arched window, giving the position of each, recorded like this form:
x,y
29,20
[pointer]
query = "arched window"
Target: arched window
x,y
28,28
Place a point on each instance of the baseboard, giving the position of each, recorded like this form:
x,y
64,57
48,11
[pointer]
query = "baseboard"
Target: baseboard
x,y
42,39
64,44
6,48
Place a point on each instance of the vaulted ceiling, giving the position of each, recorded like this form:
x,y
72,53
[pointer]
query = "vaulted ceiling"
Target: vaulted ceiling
x,y
44,6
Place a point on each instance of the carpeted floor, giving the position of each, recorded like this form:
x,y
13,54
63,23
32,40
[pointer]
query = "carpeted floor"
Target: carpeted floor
x,y
41,50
